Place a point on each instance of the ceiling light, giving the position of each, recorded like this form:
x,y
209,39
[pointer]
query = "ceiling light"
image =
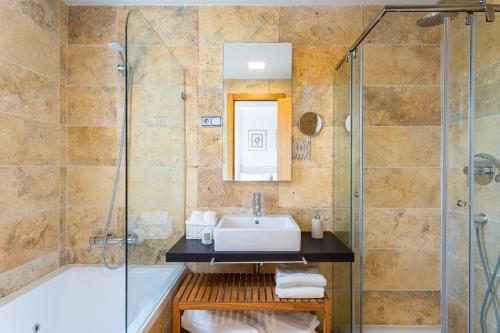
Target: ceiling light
x,y
253,65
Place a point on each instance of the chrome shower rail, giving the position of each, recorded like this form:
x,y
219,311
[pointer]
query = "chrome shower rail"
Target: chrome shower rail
x,y
458,8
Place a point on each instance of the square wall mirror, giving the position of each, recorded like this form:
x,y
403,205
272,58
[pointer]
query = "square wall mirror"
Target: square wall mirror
x,y
258,112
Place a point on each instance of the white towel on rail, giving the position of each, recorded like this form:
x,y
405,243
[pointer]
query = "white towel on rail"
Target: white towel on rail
x,y
300,292
203,321
288,276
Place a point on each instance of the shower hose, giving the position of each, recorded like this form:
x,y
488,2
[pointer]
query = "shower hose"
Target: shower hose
x,y
112,202
490,281
109,214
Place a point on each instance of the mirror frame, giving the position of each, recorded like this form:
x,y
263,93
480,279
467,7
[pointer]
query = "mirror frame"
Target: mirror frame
x,y
284,147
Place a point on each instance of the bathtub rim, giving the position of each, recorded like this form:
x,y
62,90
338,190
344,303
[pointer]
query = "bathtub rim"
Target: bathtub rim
x,y
30,286
180,272
157,310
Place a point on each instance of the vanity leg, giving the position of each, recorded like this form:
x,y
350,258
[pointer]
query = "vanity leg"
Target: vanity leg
x,y
176,318
327,317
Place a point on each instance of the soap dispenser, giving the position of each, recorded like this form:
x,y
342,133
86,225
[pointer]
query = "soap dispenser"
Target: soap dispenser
x,y
317,226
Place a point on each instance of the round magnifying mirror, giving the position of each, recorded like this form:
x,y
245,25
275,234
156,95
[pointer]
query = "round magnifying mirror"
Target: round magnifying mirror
x,y
310,123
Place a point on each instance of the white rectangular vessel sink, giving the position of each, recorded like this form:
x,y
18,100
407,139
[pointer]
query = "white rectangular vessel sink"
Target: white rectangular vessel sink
x,y
249,233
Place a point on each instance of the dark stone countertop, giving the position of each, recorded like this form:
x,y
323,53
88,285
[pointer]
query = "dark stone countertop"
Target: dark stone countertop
x,y
328,249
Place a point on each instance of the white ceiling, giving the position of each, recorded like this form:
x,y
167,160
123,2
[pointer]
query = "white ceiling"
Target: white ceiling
x,y
242,2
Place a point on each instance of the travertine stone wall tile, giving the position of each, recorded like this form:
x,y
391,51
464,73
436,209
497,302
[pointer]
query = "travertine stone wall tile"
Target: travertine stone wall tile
x,y
401,269
91,105
401,308
28,94
304,25
91,65
402,228
218,24
402,188
402,146
91,24
397,105
92,145
25,239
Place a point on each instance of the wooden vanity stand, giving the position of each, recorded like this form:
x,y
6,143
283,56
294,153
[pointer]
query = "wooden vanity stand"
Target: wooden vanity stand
x,y
240,292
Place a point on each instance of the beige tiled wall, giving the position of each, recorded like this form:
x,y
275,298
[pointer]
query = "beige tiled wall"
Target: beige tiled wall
x,y
91,122
401,106
196,36
31,199
402,184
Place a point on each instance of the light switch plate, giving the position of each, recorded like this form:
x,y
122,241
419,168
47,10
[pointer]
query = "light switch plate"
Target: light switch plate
x,y
217,121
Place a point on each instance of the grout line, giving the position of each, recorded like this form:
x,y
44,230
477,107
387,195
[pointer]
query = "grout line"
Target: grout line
x,y
29,69
10,218
56,123
15,166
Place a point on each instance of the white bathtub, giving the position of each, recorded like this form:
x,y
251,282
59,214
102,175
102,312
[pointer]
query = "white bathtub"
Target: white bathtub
x,y
88,299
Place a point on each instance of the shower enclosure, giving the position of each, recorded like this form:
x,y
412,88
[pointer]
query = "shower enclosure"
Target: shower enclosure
x,y
422,88
155,171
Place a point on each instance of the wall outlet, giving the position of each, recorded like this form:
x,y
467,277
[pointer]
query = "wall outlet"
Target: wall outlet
x,y
206,121
211,121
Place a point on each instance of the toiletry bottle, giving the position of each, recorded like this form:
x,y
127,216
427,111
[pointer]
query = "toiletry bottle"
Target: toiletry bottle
x,y
317,226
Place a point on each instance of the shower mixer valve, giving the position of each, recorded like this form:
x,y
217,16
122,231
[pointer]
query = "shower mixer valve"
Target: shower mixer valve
x,y
112,239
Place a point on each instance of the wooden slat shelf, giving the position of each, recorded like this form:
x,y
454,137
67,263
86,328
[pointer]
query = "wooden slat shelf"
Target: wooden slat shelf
x,y
240,292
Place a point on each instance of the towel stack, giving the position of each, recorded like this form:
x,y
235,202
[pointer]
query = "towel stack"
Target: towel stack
x,y
303,282
204,321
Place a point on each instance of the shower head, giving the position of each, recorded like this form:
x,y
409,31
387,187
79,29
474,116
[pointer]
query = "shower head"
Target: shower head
x,y
118,47
434,19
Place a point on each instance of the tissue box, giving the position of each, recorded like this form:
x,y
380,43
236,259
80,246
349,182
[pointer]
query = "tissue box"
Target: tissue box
x,y
194,229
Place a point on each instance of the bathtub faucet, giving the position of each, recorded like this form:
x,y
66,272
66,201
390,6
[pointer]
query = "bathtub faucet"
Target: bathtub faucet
x,y
112,239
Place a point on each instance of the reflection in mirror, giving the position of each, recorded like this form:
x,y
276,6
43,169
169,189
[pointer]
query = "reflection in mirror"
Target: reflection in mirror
x,y
310,123
255,151
258,109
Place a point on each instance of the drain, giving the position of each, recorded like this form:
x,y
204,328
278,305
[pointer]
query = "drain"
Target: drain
x,y
37,327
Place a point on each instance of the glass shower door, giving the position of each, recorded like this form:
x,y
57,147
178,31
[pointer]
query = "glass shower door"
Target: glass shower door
x,y
455,136
485,210
347,194
356,193
341,300
155,177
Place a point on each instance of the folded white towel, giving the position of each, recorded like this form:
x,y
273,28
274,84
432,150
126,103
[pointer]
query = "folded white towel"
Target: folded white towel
x,y
287,276
300,292
202,321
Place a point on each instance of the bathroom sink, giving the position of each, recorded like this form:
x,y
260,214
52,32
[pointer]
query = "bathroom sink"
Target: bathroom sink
x,y
249,233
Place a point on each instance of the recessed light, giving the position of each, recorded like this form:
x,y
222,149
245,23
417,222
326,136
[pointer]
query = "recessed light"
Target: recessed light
x,y
253,65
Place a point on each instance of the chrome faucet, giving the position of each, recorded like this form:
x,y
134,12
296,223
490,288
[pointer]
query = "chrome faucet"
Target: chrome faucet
x,y
257,204
111,239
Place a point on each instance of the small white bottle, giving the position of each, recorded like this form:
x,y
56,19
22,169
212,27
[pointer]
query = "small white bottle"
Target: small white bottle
x,y
317,226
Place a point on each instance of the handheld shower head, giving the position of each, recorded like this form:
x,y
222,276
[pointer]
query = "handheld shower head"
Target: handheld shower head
x,y
118,47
